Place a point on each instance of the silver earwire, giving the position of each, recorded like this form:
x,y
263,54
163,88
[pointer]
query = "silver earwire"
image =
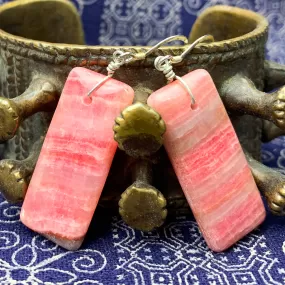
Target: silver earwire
x,y
167,40
205,38
164,64
120,58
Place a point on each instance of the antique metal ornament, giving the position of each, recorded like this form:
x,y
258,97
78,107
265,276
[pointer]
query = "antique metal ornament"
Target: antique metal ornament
x,y
41,94
142,206
139,130
35,64
19,173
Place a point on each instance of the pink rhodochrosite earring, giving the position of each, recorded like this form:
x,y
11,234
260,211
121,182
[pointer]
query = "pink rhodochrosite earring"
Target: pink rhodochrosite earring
x,y
206,155
76,155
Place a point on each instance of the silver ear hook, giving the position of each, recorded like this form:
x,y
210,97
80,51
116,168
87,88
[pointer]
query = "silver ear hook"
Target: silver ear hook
x,y
164,64
167,40
205,38
120,58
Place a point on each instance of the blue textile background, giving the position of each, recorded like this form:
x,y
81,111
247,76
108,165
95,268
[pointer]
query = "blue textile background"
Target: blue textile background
x,y
113,253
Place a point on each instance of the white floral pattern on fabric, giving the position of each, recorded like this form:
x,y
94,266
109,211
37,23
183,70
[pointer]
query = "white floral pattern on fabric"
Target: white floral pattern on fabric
x,y
145,22
175,254
32,259
179,255
139,21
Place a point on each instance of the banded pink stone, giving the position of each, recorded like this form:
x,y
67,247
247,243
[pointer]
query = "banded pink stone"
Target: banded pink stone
x,y
75,159
208,160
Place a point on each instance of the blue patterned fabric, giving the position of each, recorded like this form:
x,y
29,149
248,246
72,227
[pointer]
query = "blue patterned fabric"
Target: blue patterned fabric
x,y
113,253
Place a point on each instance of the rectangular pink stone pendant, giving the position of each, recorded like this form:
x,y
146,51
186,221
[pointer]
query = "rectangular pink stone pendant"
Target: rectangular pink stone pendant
x,y
208,160
75,159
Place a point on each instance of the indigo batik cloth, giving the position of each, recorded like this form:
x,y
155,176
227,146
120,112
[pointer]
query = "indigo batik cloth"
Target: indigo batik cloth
x,y
113,253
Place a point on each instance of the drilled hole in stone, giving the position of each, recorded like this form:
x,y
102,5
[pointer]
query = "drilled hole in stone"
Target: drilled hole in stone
x,y
87,100
194,106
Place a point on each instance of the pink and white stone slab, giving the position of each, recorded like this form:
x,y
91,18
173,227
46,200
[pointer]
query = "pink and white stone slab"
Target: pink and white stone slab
x,y
75,159
208,160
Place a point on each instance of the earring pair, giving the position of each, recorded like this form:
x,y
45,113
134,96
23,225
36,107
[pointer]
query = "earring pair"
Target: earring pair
x,y
200,141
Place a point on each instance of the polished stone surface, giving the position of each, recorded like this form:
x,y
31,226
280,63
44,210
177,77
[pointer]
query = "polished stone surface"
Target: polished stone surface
x,y
75,158
208,160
